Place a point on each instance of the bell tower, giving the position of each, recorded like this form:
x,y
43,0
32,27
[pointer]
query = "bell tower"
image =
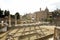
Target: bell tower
x,y
46,10
40,9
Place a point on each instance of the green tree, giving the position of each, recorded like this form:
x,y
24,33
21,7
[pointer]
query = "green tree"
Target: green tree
x,y
12,16
6,13
17,15
1,13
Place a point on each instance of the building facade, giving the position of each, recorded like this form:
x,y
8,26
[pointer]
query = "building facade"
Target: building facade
x,y
42,15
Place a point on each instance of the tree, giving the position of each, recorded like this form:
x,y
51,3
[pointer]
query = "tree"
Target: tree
x,y
55,14
17,15
6,13
1,13
12,16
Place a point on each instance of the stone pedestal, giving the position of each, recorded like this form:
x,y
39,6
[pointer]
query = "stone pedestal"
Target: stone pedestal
x,y
57,33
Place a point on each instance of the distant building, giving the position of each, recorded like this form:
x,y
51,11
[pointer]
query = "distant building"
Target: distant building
x,y
39,15
56,17
42,15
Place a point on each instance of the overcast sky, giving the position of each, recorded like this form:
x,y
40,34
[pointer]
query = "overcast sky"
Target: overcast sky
x,y
27,6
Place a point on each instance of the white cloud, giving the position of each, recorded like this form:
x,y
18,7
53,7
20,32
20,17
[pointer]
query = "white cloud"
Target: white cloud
x,y
25,6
